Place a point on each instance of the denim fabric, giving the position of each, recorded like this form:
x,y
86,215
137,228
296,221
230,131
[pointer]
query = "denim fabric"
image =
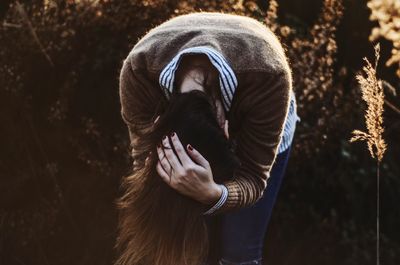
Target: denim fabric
x,y
236,238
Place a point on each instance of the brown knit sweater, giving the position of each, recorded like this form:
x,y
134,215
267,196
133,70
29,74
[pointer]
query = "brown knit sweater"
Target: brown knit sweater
x,y
260,103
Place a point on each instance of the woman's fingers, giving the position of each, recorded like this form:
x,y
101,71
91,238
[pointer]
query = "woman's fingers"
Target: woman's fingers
x,y
162,159
180,150
172,158
197,157
164,175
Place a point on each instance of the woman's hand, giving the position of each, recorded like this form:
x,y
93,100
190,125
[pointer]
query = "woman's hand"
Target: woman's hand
x,y
188,173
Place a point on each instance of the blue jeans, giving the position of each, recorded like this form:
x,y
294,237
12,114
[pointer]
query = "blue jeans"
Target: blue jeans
x,y
236,238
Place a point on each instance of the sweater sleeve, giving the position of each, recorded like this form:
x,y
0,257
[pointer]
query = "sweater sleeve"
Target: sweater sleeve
x,y
139,95
264,100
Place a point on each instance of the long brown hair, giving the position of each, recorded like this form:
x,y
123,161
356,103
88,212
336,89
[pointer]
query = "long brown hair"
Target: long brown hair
x,y
157,225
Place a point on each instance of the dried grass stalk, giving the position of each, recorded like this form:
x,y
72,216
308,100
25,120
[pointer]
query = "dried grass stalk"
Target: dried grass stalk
x,y
372,94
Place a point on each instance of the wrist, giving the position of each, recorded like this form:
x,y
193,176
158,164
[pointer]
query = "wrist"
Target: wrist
x,y
221,200
214,195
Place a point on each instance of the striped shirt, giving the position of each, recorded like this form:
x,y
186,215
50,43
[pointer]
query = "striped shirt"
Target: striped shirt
x,y
228,84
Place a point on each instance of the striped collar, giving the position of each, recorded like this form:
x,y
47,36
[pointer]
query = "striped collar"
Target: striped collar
x,y
227,78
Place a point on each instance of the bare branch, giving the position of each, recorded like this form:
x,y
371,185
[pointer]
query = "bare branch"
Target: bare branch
x,y
24,16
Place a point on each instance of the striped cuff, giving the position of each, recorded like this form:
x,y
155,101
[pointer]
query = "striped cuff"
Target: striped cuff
x,y
220,202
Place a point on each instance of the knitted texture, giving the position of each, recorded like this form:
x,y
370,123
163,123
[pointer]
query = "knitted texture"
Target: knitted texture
x,y
260,104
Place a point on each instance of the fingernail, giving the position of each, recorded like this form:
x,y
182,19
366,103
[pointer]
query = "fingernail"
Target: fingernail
x,y
190,147
172,134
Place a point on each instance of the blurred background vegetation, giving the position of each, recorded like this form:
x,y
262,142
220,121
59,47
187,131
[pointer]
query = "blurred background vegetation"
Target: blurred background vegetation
x,y
63,151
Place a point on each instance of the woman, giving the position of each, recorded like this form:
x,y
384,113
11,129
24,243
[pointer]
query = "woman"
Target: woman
x,y
242,67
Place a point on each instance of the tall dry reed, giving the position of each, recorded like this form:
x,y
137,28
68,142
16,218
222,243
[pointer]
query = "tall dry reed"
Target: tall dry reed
x,y
372,94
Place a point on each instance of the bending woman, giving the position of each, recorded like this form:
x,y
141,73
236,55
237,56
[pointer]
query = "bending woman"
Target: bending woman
x,y
241,66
